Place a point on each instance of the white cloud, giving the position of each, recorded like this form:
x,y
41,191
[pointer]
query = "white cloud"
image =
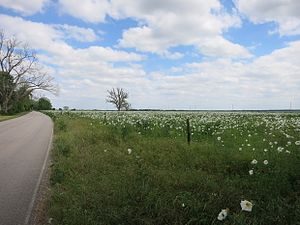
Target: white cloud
x,y
166,24
26,8
219,46
284,13
92,11
77,33
51,38
37,35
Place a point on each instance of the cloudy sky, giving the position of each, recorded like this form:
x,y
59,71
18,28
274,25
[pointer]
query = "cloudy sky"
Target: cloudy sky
x,y
169,54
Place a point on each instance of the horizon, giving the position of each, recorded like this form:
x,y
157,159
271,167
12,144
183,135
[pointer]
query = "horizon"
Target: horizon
x,y
168,55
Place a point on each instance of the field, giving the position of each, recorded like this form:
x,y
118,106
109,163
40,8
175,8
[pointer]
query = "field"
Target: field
x,y
137,168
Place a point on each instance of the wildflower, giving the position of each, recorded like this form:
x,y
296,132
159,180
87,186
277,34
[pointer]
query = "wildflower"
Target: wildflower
x,y
240,149
50,220
223,214
265,150
254,161
246,206
287,151
250,172
297,143
266,162
289,143
183,205
219,138
279,149
105,150
129,151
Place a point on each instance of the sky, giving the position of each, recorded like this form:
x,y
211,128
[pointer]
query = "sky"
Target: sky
x,y
167,54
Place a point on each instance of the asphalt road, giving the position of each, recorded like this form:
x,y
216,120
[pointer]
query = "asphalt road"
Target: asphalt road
x,y
24,148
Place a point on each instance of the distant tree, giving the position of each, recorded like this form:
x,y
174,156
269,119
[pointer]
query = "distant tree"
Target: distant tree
x,y
118,97
66,108
44,104
20,73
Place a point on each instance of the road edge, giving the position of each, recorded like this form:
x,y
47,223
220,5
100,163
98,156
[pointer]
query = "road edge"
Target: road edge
x,y
43,170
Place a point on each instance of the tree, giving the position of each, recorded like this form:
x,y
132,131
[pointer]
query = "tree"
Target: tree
x,y
20,73
118,97
44,104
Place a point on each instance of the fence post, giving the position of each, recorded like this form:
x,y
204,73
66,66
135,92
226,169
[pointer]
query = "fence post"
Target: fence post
x,y
188,130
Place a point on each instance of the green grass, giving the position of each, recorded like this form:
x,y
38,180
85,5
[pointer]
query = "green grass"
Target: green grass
x,y
165,181
8,117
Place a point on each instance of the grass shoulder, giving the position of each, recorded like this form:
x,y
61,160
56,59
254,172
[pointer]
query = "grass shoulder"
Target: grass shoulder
x,y
9,117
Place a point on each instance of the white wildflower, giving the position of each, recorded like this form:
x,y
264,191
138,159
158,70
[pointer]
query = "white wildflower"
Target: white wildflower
x,y
129,151
219,138
279,149
246,206
254,161
297,143
251,172
266,162
223,214
50,220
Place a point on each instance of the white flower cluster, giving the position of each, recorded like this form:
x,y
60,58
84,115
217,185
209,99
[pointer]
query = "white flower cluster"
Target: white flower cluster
x,y
245,205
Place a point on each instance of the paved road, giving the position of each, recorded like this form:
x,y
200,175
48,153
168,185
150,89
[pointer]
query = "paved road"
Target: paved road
x,y
24,144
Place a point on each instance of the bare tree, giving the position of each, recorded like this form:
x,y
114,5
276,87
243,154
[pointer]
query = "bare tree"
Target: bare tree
x,y
20,72
118,97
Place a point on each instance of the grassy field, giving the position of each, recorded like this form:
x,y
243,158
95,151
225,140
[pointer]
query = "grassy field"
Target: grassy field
x,y
137,168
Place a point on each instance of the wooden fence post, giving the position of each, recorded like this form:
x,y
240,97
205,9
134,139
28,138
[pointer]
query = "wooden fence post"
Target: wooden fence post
x,y
188,130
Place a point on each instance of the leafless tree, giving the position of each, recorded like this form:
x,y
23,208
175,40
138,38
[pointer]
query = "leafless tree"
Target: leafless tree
x,y
118,97
19,65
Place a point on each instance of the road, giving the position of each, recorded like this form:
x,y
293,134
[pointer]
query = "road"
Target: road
x,y
24,148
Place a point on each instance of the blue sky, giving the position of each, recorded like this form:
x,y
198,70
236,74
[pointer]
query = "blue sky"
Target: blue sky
x,y
172,54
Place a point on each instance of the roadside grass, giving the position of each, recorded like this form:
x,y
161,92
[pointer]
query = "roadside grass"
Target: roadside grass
x,y
103,174
8,117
